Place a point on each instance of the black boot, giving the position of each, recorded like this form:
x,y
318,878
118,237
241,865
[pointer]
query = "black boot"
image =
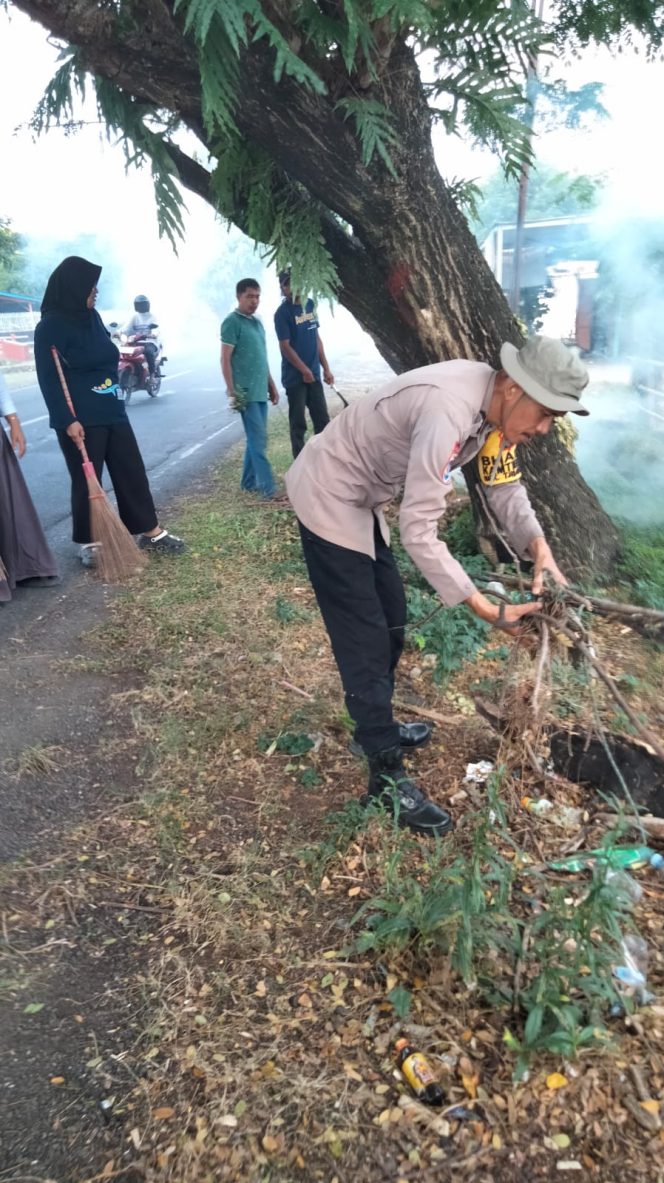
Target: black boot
x,y
414,735
411,735
390,784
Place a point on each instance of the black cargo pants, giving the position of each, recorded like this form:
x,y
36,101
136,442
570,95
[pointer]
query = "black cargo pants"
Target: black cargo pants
x,y
363,605
305,396
116,447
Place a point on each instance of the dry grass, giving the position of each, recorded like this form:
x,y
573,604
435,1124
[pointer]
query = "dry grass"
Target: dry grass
x,y
262,1049
39,760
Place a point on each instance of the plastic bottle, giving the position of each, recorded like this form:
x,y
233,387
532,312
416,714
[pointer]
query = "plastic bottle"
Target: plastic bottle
x,y
633,972
565,816
419,1074
625,890
611,856
540,806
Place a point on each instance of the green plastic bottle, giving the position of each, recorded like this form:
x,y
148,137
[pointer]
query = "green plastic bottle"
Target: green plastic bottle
x,y
616,857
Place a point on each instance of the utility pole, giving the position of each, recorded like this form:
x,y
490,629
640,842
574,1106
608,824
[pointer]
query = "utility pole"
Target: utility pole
x,y
531,99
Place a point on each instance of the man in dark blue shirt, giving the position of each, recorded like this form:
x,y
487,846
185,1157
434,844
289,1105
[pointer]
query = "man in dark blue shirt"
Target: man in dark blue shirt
x,y
302,356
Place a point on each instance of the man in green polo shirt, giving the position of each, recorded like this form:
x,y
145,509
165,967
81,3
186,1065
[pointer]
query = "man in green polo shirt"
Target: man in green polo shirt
x,y
245,369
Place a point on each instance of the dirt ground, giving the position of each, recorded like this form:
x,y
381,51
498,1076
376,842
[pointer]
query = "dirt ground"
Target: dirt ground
x,y
182,993
63,763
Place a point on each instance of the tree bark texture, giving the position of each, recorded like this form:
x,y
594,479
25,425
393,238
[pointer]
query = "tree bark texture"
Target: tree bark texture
x,y
410,270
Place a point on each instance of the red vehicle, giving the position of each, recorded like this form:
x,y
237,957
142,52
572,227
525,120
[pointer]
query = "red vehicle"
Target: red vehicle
x,y
134,370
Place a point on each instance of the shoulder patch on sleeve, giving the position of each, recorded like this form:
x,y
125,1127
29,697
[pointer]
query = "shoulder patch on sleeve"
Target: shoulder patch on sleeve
x,y
497,465
447,471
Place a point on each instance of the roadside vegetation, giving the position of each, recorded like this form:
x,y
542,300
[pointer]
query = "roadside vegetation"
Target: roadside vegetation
x,y
283,938
642,564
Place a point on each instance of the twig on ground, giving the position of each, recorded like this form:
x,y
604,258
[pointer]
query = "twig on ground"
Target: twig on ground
x,y
48,945
104,1175
645,732
296,689
518,971
542,662
435,716
24,1178
653,826
603,738
122,906
532,756
637,1080
341,965
616,608
632,613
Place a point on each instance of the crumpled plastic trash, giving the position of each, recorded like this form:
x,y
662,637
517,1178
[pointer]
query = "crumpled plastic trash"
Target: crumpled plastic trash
x,y
632,974
625,890
477,774
496,587
461,1113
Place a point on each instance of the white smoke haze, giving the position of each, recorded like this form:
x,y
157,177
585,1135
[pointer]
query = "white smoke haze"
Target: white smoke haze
x,y
620,445
62,187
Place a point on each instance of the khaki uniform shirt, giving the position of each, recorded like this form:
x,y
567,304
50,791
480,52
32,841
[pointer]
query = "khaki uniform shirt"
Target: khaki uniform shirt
x,y
411,433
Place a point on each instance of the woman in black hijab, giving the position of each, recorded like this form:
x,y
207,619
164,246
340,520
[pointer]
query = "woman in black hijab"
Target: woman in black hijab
x,y
69,286
90,362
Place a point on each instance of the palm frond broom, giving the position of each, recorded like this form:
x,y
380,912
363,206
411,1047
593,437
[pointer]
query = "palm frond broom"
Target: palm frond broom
x,y
117,554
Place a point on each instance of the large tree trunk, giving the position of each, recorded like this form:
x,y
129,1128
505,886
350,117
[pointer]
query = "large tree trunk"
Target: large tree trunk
x,y
410,270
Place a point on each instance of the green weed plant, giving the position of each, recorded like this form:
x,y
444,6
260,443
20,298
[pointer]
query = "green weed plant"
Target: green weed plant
x,y
642,564
454,634
539,952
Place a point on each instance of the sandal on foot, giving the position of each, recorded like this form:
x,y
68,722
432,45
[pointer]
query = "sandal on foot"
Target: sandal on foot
x,y
163,543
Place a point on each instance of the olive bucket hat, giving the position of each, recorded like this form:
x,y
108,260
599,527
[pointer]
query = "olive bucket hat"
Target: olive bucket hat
x,y
547,371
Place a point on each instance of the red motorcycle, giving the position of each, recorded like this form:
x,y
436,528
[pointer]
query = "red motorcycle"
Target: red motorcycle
x,y
133,368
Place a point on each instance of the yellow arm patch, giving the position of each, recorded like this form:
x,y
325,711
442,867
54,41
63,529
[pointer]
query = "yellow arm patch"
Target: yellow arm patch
x,y
496,464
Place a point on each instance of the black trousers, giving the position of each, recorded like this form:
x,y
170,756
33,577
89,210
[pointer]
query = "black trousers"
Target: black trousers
x,y
150,350
306,396
363,604
114,446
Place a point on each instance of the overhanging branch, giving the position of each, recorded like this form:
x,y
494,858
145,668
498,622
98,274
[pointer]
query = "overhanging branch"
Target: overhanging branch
x,y
363,290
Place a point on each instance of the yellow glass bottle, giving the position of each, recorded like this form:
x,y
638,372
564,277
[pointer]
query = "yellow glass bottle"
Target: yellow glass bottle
x,y
419,1074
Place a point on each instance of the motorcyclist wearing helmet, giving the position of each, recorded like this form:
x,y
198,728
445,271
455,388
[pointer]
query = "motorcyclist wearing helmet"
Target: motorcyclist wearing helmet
x,y
138,325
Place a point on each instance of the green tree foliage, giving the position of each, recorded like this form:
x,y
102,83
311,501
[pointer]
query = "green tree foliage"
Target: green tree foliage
x,y
580,23
559,106
551,194
473,56
139,127
11,257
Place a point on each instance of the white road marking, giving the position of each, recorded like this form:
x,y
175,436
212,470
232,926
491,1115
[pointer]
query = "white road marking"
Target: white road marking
x,y
654,413
27,422
207,414
194,448
22,389
180,374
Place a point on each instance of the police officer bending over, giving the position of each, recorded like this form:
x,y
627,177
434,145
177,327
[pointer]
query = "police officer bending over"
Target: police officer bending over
x,y
412,433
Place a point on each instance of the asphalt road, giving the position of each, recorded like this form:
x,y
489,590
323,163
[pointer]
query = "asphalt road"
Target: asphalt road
x,y
180,433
